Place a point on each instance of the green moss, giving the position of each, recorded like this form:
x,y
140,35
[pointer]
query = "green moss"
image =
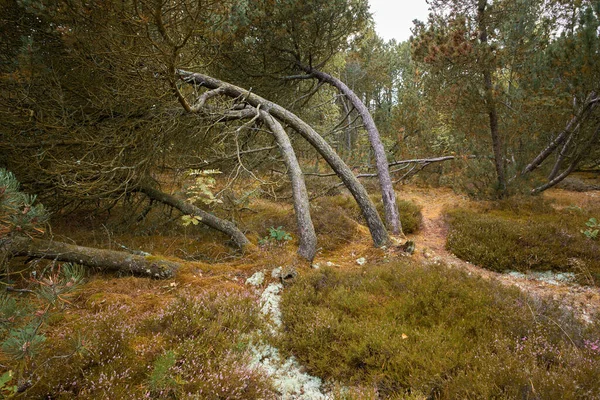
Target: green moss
x,y
522,235
412,330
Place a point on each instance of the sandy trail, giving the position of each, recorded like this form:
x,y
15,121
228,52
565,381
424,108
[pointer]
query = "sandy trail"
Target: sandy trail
x,y
431,239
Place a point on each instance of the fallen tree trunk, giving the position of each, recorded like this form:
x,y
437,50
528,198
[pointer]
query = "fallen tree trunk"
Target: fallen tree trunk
x,y
376,226
227,227
90,257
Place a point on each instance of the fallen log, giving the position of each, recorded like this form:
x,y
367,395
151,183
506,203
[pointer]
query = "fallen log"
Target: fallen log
x,y
227,227
110,260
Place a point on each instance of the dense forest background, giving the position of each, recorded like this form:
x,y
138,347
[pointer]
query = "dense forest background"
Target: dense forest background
x,y
91,96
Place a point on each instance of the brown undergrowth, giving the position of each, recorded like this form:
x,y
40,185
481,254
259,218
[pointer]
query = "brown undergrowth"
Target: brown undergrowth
x,y
140,337
527,234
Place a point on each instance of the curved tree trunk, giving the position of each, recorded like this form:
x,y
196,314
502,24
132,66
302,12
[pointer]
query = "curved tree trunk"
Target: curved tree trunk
x,y
306,230
208,219
388,196
577,159
573,125
376,226
91,257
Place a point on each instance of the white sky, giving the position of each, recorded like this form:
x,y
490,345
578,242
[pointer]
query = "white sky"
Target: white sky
x,y
393,18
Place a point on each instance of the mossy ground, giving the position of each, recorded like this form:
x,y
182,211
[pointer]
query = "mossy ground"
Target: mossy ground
x,y
526,234
187,337
416,331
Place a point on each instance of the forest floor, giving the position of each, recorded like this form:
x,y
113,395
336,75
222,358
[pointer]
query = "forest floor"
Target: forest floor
x,y
111,304
431,247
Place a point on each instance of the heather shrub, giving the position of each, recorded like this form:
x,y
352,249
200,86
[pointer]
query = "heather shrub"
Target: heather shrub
x,y
333,226
429,332
525,234
410,213
195,346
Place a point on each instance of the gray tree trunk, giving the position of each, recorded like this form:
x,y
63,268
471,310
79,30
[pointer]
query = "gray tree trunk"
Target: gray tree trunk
x,y
388,196
557,179
227,227
306,230
573,125
91,257
376,226
491,105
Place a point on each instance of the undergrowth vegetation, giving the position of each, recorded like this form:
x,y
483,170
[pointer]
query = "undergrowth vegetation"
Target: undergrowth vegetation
x,y
525,234
410,213
189,346
428,332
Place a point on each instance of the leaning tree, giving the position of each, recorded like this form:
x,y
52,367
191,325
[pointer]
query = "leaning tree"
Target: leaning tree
x,y
116,107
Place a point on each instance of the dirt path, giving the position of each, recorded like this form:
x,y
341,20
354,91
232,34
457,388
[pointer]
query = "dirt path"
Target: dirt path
x,y
431,239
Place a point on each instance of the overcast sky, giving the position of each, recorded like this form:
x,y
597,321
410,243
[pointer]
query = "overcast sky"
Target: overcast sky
x,y
393,18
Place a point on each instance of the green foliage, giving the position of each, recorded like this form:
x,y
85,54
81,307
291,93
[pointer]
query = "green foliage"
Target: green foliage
x,y
524,235
434,331
160,378
592,231
6,388
276,236
59,284
201,189
23,342
22,321
18,213
279,235
186,220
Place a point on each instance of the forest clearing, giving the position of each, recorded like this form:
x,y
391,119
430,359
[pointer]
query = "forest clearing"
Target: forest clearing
x,y
266,200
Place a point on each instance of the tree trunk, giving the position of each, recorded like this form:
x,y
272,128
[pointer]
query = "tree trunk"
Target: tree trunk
x,y
306,230
573,125
376,226
91,257
557,179
561,156
388,196
227,227
491,105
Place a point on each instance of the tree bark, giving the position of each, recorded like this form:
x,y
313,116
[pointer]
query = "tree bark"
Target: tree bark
x,y
491,105
376,226
306,229
572,126
227,227
388,196
557,179
91,257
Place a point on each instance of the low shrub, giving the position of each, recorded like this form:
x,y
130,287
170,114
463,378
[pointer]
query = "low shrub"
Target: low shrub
x,y
194,347
525,235
410,213
430,332
410,216
333,225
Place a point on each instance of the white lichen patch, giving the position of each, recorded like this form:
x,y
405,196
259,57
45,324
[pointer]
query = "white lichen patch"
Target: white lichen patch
x,y
553,278
256,280
269,303
276,273
287,375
